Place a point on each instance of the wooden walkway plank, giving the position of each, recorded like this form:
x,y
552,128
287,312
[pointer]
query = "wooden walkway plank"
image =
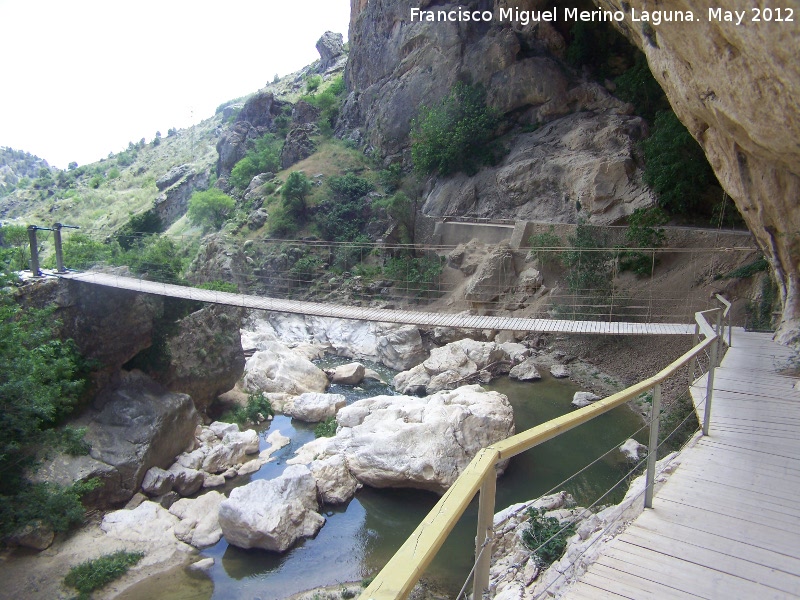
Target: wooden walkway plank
x,y
726,523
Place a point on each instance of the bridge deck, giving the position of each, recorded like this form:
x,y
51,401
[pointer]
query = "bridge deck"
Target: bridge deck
x,y
726,524
408,317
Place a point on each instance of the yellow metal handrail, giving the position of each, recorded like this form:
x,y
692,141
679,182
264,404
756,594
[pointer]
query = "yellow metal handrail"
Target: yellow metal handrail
x,y
401,573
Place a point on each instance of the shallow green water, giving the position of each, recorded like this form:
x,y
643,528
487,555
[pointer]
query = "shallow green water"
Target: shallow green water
x,y
361,536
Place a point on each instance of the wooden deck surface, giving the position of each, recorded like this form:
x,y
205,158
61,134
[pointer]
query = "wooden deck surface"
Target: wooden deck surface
x,y
726,524
409,317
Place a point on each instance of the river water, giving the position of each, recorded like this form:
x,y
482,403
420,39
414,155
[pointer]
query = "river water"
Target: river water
x,y
360,537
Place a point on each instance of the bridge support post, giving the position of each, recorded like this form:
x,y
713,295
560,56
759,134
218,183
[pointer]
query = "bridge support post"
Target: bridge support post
x,y
652,448
34,250
483,555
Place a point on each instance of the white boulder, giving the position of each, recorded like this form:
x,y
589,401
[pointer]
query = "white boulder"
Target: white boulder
x,y
350,374
187,481
525,371
581,399
199,524
233,449
451,365
272,514
335,483
633,450
425,443
559,371
313,407
279,369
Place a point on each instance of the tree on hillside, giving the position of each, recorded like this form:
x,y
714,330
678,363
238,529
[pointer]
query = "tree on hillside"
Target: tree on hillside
x,y
210,209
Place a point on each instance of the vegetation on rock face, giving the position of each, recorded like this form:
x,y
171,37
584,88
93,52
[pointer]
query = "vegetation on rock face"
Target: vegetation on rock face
x,y
92,575
265,157
329,102
675,165
41,380
344,214
456,134
546,536
257,409
326,428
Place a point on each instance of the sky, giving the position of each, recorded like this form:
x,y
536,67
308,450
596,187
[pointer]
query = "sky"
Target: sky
x,y
82,78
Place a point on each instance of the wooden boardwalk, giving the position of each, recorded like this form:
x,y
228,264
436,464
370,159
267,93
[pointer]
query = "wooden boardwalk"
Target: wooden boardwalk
x,y
382,315
726,524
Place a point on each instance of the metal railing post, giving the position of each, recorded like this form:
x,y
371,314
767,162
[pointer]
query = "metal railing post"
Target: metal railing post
x,y
480,582
34,250
693,362
59,251
652,449
720,329
712,365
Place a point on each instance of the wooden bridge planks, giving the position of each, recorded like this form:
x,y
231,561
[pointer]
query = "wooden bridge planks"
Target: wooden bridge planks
x,y
355,313
726,523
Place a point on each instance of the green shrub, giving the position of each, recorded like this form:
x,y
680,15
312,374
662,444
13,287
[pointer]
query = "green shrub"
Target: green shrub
x,y
144,223
675,166
94,574
58,507
157,257
82,252
538,533
638,86
264,157
305,268
294,194
759,265
257,409
455,134
312,83
343,216
644,231
329,103
16,238
541,242
210,208
589,264
95,182
219,286
326,428
415,273
113,173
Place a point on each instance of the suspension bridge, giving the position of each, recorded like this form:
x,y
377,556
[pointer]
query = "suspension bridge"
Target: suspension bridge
x,y
407,317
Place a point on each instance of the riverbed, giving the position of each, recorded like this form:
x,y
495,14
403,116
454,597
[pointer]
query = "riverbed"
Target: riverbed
x,y
360,536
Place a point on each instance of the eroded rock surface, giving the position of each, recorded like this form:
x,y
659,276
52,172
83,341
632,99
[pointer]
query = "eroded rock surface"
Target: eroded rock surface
x,y
276,368
424,443
452,365
273,514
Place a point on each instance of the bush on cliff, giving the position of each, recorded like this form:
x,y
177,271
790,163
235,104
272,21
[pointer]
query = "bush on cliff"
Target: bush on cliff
x,y
456,134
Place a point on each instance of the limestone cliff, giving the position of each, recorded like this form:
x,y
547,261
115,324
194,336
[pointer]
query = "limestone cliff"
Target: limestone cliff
x,y
397,65
737,89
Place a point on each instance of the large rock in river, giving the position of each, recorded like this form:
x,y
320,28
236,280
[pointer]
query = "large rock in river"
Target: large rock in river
x,y
452,365
276,368
424,443
272,514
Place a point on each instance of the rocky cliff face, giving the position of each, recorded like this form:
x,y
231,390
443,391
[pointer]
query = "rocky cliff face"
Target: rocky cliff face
x,y
397,65
737,89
